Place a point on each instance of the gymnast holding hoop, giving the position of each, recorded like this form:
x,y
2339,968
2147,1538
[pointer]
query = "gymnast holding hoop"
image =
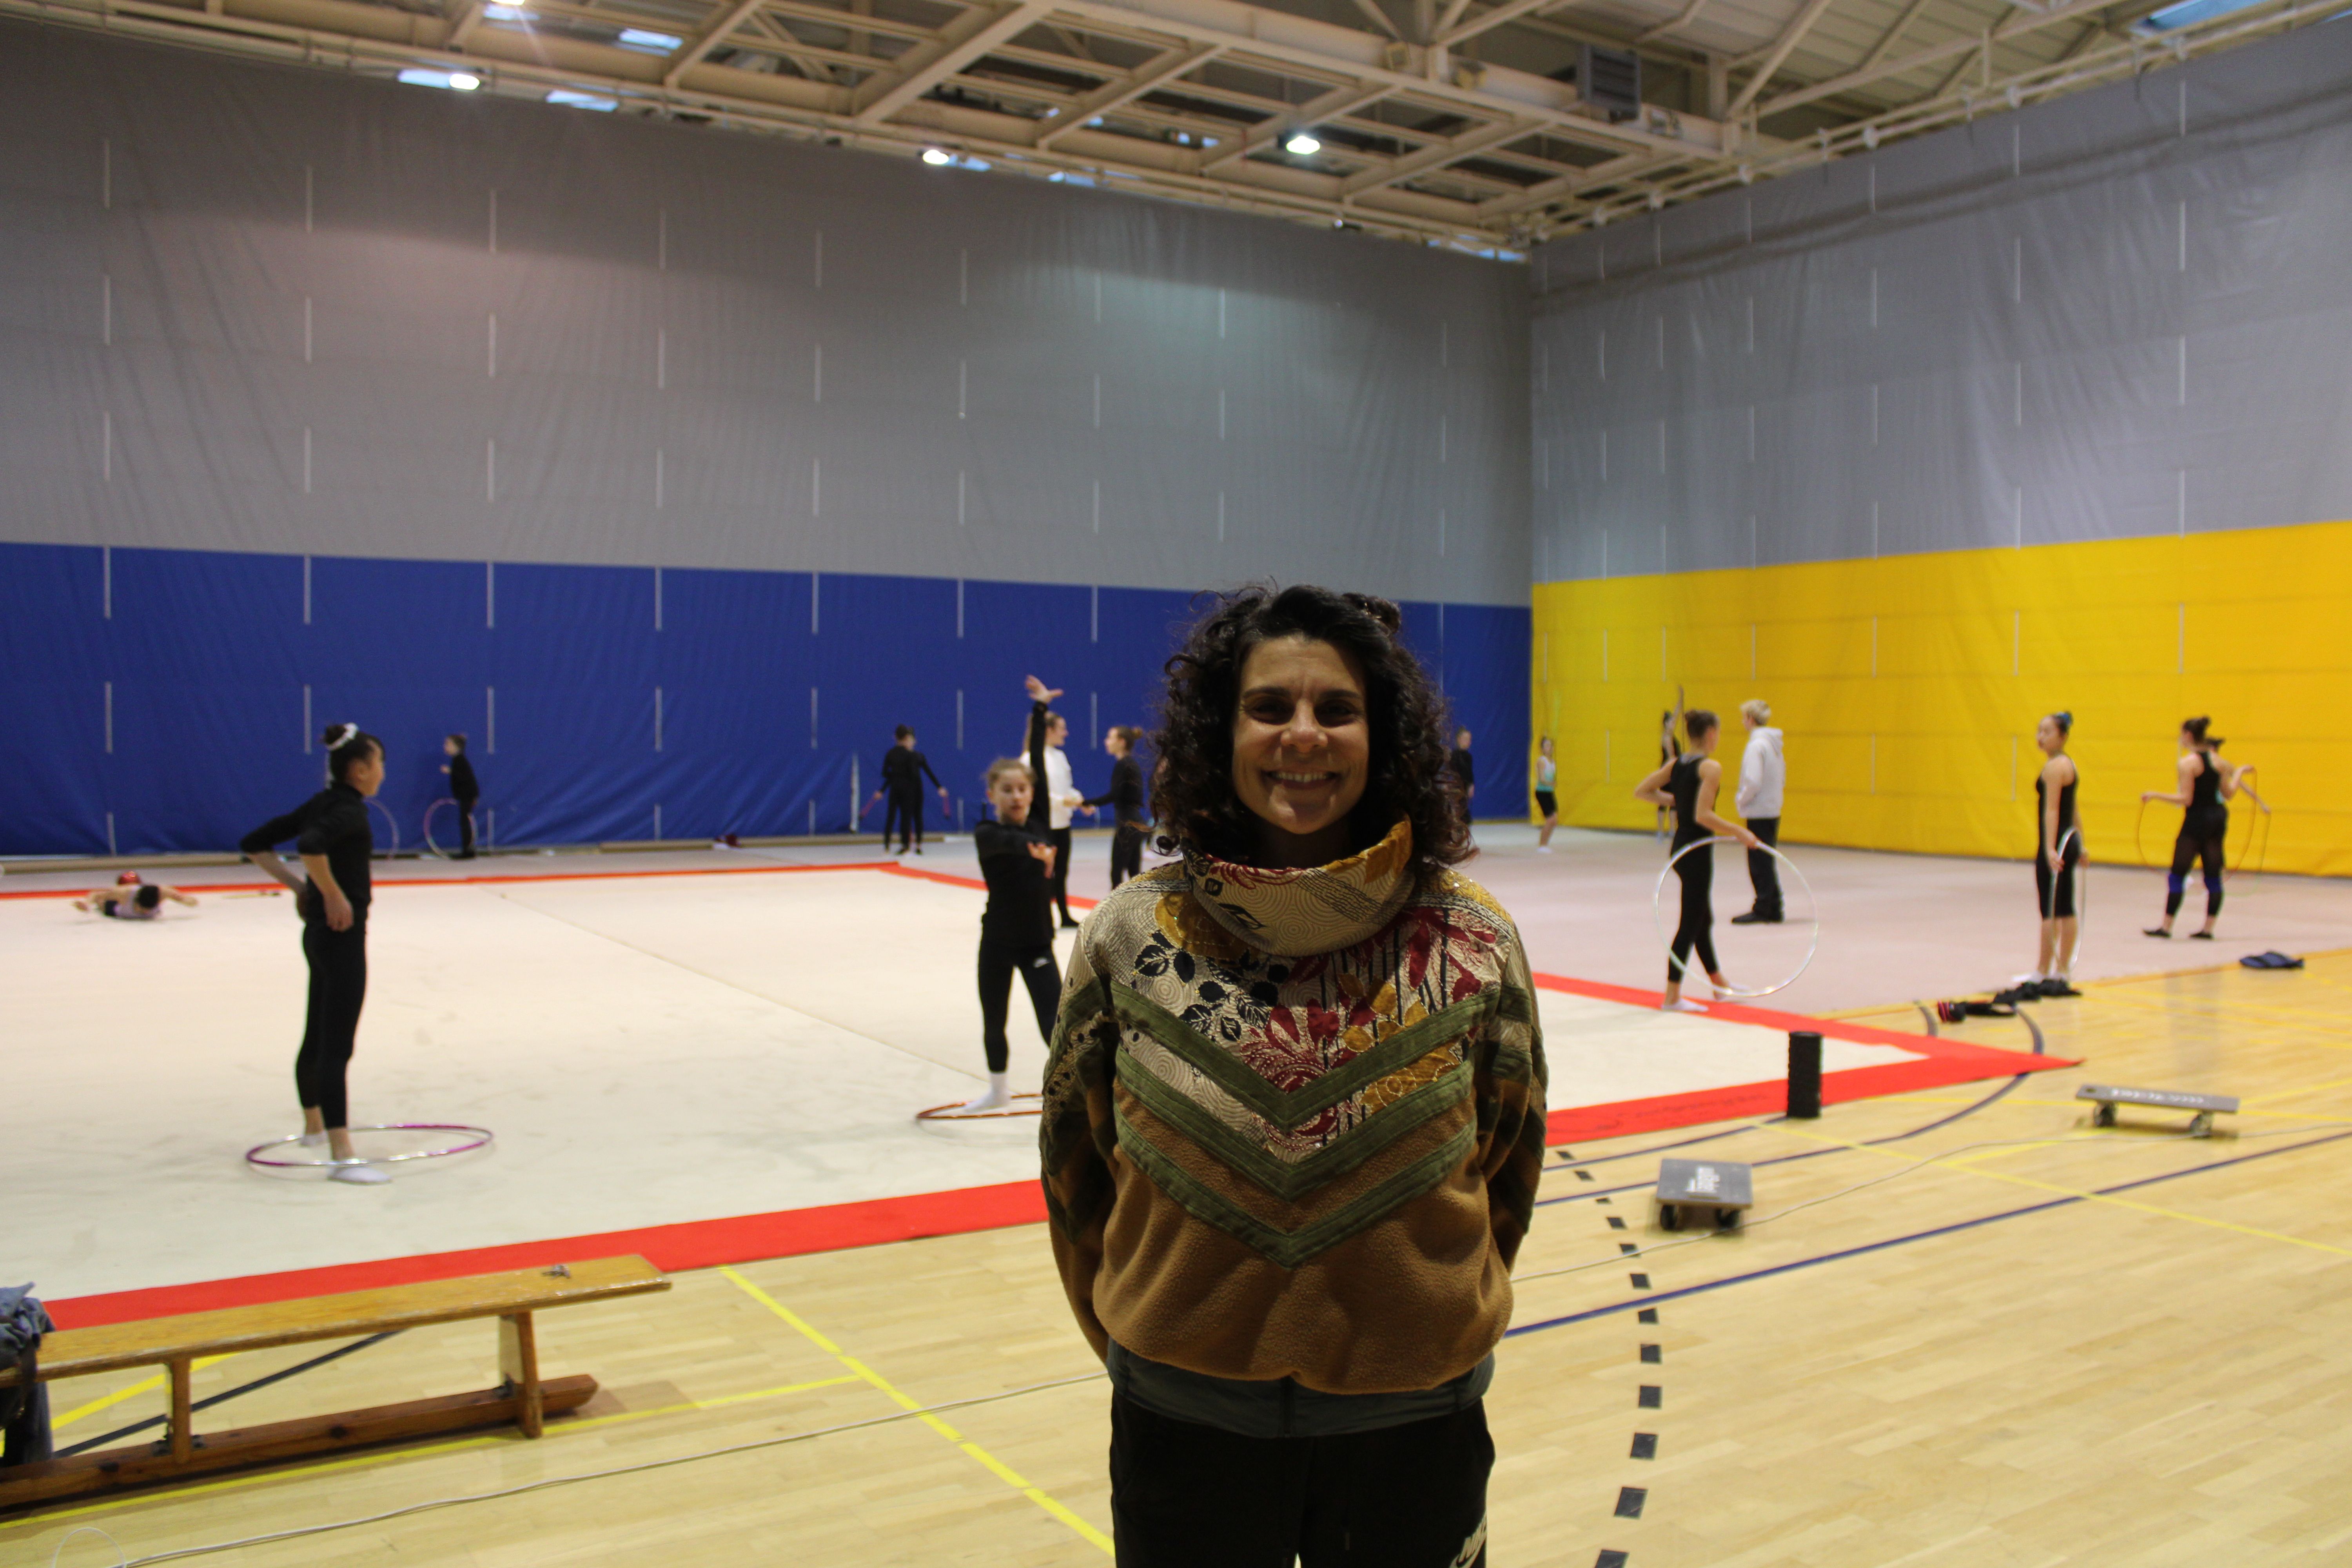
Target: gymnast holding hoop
x,y
2207,780
331,831
2057,861
1688,783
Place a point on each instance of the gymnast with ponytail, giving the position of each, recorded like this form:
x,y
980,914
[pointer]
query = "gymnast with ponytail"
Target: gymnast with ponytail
x,y
331,834
2206,782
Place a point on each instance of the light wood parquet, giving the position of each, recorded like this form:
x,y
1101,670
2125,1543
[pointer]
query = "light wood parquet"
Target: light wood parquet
x,y
2156,1376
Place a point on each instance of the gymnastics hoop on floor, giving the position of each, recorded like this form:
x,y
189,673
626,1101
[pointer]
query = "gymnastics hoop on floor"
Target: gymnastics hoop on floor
x,y
462,1140
432,847
954,1110
1681,965
382,812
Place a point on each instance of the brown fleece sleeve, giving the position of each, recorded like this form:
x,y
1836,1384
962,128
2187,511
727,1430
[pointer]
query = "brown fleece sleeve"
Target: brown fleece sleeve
x,y
1076,1138
1510,1085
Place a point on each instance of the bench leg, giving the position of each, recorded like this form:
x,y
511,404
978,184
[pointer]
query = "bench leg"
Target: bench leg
x,y
518,1364
182,1429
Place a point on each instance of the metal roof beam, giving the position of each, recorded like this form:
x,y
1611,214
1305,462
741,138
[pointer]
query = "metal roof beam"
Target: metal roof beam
x,y
2028,21
1437,156
1168,67
959,44
1791,36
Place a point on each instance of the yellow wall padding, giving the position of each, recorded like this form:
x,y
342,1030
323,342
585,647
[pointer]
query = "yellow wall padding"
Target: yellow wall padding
x,y
1909,687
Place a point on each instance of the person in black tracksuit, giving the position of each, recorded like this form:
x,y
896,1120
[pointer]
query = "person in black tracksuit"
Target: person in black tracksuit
x,y
1125,798
2207,781
1016,930
1688,783
331,831
464,789
903,772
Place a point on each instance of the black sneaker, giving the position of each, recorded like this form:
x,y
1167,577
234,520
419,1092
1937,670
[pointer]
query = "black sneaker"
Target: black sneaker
x,y
1752,919
2157,931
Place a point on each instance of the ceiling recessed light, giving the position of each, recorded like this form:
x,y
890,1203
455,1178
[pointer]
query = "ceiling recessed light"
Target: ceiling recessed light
x,y
1302,144
464,81
936,158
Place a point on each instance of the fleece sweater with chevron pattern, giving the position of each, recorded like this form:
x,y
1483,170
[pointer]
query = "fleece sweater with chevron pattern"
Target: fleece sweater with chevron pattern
x,y
1294,1121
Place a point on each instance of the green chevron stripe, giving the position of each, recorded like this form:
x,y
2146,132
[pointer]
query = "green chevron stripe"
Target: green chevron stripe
x,y
1288,1249
1288,1109
1286,1178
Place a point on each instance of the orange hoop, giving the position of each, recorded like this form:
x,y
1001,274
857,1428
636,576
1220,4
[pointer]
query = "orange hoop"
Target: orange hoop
x,y
954,1110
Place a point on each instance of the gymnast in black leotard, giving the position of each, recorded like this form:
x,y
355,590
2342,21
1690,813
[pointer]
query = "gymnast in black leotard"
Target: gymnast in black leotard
x,y
2206,782
2057,860
1688,783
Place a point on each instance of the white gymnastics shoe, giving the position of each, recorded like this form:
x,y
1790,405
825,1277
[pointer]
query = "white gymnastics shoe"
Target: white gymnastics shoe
x,y
358,1173
1682,1004
999,1094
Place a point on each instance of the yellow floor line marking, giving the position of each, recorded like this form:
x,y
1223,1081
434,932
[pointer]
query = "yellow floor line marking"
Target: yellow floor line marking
x,y
2291,1093
989,1461
557,1427
2087,1196
120,1395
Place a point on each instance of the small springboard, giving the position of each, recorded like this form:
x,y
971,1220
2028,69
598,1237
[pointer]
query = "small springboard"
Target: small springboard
x,y
2205,1107
1690,1188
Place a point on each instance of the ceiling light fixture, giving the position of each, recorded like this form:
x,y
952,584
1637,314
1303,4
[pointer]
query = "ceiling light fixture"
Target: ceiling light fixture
x,y
936,158
1301,143
464,81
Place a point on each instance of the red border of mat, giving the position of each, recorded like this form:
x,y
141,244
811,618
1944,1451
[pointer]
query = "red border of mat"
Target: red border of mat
x,y
1936,1063
707,1244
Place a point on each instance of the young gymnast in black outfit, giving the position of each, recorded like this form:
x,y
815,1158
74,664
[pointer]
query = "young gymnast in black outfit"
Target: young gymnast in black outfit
x,y
2055,868
1125,798
903,772
465,789
1017,931
1689,784
331,831
2206,780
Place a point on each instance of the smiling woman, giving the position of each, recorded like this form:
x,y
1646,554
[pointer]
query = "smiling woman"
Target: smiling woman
x,y
1314,684
1293,1116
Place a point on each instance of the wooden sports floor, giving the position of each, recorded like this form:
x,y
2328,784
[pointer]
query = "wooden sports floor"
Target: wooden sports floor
x,y
2029,1343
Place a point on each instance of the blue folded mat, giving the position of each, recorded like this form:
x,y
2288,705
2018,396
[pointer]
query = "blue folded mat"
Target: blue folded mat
x,y
2270,961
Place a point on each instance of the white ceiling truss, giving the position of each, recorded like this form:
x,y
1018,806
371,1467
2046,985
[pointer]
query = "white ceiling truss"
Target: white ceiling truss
x,y
1446,121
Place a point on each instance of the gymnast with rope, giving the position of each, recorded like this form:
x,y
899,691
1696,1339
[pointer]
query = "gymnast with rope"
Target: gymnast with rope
x,y
2207,782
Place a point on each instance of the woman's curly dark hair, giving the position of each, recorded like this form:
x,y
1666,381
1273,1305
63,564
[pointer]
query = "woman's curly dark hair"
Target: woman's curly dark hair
x,y
1193,798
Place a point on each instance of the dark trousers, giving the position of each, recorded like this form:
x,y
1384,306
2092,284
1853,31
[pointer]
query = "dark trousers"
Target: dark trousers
x,y
1763,872
998,960
1062,871
904,813
1697,931
337,989
1125,853
466,824
2190,851
1187,1496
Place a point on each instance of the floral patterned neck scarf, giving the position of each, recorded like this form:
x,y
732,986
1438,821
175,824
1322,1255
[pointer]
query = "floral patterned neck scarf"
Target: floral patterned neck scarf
x,y
1316,908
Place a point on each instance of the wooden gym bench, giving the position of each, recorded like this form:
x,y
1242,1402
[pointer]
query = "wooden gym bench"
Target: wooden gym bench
x,y
176,1343
2205,1106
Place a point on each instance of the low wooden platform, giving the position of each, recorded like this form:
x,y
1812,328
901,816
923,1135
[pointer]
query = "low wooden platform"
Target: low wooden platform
x,y
176,1343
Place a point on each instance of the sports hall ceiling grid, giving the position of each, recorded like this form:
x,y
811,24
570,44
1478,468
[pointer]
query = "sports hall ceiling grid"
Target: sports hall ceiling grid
x,y
1450,122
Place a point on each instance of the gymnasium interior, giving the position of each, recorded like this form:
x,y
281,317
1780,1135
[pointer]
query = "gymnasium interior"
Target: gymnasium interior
x,y
664,404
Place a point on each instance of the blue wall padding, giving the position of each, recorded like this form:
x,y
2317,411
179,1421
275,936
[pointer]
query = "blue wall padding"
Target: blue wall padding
x,y
208,654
